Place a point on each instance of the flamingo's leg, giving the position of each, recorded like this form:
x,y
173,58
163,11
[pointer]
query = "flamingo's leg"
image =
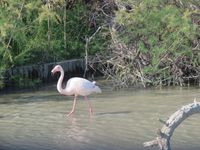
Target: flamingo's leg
x,y
90,107
73,108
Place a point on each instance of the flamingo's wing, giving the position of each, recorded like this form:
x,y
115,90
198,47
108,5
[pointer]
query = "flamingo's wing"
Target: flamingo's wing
x,y
88,85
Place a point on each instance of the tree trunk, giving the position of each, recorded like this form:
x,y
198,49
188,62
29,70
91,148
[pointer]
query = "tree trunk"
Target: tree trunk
x,y
49,28
164,134
87,41
64,20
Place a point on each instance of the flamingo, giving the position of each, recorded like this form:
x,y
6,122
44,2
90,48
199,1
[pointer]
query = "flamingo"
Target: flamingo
x,y
76,86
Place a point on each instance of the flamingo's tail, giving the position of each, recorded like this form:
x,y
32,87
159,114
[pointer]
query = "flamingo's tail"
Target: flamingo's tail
x,y
97,89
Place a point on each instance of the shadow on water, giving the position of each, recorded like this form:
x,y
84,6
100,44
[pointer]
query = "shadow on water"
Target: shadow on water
x,y
114,113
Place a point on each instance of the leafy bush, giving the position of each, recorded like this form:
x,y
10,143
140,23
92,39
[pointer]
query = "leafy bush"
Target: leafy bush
x,y
153,44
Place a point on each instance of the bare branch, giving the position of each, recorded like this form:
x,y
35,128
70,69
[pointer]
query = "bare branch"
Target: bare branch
x,y
165,133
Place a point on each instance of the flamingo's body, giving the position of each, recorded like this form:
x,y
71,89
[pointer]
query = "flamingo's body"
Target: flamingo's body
x,y
76,86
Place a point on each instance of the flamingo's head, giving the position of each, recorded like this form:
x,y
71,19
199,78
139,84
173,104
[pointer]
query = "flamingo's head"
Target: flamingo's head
x,y
57,68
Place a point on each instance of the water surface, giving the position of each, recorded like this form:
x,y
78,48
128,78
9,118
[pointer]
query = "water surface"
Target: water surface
x,y
122,120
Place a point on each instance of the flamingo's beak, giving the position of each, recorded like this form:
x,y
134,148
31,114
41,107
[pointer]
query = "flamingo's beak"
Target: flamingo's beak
x,y
53,71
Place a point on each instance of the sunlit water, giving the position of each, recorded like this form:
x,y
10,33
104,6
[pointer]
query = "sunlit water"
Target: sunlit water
x,y
122,120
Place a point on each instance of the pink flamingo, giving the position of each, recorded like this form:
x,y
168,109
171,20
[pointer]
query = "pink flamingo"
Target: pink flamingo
x,y
75,86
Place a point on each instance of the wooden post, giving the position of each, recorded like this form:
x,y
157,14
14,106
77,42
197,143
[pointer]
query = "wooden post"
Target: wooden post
x,y
164,134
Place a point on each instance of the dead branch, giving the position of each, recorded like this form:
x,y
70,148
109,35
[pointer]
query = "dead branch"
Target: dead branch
x,y
88,40
165,133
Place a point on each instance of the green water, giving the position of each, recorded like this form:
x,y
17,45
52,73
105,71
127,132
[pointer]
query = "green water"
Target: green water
x,y
122,120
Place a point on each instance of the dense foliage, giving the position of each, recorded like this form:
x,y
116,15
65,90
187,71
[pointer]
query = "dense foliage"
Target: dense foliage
x,y
42,31
155,42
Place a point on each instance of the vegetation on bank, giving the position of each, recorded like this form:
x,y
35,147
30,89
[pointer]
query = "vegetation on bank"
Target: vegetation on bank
x,y
42,31
153,42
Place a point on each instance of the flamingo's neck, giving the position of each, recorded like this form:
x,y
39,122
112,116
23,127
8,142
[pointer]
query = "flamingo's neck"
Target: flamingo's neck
x,y
60,80
61,90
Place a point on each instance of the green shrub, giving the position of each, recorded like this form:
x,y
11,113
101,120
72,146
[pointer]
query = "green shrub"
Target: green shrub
x,y
153,41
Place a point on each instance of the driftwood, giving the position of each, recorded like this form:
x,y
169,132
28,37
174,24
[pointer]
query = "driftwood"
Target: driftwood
x,y
164,134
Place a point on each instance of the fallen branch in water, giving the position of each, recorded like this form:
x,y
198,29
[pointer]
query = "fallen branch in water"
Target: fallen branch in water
x,y
163,139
